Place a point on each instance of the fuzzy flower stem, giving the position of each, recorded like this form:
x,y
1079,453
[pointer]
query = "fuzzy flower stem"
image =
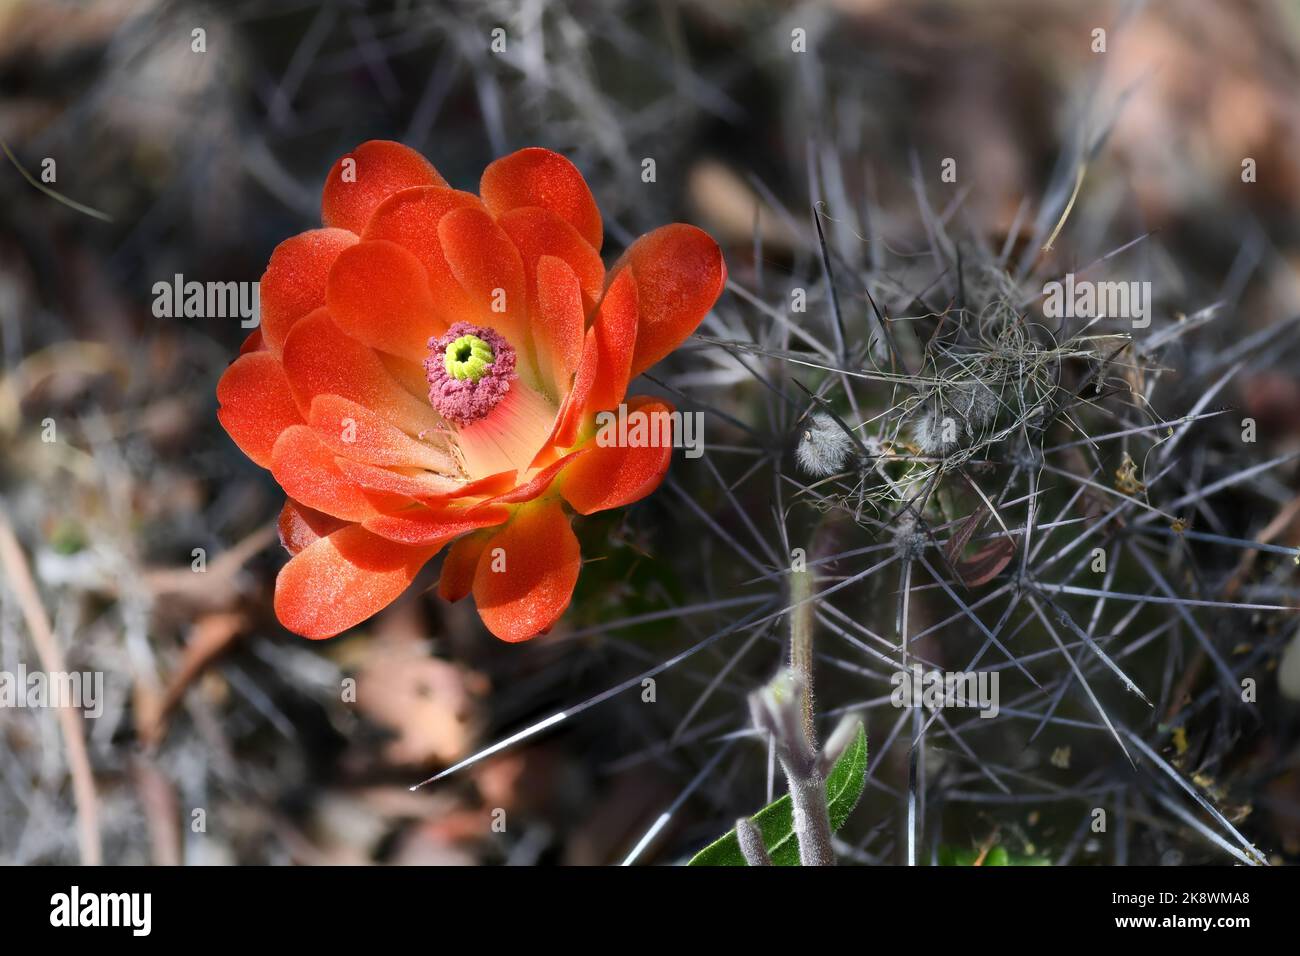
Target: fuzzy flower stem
x,y
801,645
790,721
777,710
803,616
812,821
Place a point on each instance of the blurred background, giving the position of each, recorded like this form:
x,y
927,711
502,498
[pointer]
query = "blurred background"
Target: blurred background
x,y
226,740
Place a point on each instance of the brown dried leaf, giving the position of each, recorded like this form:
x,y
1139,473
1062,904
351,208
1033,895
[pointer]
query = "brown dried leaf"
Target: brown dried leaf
x,y
987,563
431,707
961,537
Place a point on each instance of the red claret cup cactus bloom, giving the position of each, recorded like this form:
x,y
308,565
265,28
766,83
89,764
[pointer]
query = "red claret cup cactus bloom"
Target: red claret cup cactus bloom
x,y
428,370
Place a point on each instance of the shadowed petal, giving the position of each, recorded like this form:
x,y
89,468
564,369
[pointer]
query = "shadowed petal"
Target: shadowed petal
x,y
299,525
525,577
539,232
488,267
253,343
458,567
573,413
558,322
614,476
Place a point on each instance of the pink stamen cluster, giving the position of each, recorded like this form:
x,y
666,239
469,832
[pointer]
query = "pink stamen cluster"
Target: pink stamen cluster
x,y
465,401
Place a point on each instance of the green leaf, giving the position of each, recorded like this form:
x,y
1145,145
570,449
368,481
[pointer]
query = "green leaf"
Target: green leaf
x,y
776,820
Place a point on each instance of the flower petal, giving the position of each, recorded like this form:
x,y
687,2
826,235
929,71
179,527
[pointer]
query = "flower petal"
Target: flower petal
x,y
538,232
507,437
256,404
253,343
539,177
378,293
534,487
355,432
427,525
614,476
483,487
340,580
409,483
458,567
305,469
301,526
410,218
488,267
616,339
360,180
679,275
320,358
522,589
573,413
295,279
410,375
558,322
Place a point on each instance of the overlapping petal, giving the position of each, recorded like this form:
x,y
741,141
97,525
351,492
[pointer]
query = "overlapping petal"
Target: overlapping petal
x,y
355,432
253,342
410,219
489,268
320,359
341,579
558,322
378,293
256,404
472,491
460,564
535,487
538,232
295,279
573,412
362,179
305,468
413,483
614,476
539,177
616,331
300,526
430,525
679,275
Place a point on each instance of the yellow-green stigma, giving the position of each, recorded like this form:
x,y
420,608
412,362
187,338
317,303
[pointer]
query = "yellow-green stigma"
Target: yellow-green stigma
x,y
468,357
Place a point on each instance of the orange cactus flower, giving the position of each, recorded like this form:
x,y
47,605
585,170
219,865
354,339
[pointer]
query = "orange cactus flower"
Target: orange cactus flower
x,y
428,371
